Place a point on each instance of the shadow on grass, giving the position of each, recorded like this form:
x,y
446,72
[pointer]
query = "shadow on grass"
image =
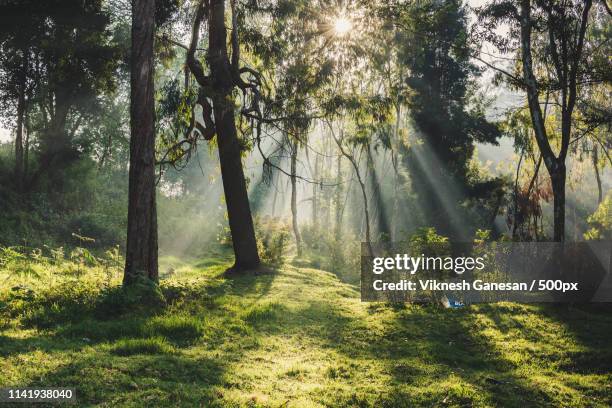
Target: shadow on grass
x,y
432,356
73,319
445,351
144,357
590,326
159,379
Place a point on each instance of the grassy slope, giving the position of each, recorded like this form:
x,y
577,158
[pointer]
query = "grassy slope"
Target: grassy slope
x,y
301,338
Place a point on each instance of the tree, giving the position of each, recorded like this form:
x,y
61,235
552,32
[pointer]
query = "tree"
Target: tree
x,y
436,53
351,156
16,77
141,252
551,44
217,100
64,52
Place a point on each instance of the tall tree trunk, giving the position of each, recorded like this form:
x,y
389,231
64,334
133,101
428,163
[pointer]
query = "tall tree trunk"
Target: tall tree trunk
x,y
537,120
235,189
339,208
232,173
396,177
383,223
294,214
558,187
315,203
518,217
325,196
21,111
567,67
141,253
597,177
275,197
26,145
366,210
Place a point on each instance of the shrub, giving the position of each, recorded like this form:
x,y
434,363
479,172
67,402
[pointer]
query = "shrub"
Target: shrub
x,y
141,297
428,242
272,239
15,262
600,222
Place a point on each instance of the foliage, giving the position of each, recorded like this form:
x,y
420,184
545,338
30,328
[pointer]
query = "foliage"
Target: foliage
x,y
428,242
16,263
69,58
600,222
26,266
272,240
339,255
80,198
448,115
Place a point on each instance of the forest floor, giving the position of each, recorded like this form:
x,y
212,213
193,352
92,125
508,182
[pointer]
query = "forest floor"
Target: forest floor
x,y
298,338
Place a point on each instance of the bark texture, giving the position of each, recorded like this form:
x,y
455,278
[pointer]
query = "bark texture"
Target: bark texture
x,y
234,185
141,254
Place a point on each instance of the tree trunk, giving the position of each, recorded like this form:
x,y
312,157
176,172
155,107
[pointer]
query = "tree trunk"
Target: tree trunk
x,y
21,108
232,173
235,190
384,231
597,176
537,121
366,211
325,196
315,204
294,215
396,177
275,197
26,145
365,205
558,186
567,67
141,253
339,209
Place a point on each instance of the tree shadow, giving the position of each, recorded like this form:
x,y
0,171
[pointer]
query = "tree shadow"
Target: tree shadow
x,y
145,380
420,345
417,346
590,326
170,376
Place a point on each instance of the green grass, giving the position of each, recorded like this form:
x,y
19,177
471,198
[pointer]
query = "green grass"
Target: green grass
x,y
296,338
130,347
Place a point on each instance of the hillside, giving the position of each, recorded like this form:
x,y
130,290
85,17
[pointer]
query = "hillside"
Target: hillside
x,y
296,338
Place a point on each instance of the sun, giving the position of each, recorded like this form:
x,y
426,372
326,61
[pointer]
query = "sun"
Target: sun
x,y
342,26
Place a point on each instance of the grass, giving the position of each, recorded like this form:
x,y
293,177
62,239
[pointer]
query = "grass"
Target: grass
x,y
296,338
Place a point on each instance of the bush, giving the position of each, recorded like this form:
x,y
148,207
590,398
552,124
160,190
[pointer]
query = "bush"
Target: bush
x,y
428,242
140,297
600,222
272,239
76,197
